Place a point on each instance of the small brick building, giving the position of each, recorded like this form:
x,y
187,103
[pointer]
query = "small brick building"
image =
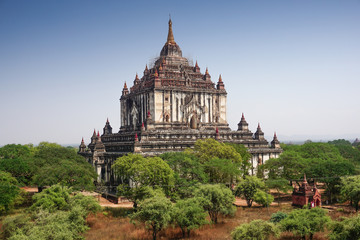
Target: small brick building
x,y
306,194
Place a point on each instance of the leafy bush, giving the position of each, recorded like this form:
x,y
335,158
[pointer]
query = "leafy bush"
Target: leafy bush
x,y
57,225
89,204
155,212
56,215
263,198
277,217
248,187
303,222
52,199
255,230
12,223
188,215
216,199
8,191
347,229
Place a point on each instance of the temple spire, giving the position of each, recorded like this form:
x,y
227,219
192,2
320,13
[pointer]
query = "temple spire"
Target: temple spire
x,y
170,38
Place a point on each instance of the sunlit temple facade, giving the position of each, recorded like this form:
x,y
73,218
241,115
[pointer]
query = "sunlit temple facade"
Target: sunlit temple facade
x,y
170,107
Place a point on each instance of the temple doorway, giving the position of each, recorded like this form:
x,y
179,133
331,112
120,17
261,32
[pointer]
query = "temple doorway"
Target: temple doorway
x,y
193,122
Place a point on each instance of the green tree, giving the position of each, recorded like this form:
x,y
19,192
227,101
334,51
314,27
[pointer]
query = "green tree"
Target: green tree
x,y
216,199
188,171
56,214
55,198
248,187
155,212
321,161
278,217
210,148
290,165
14,151
188,214
350,190
263,198
17,160
211,152
57,225
281,185
8,191
329,172
346,229
222,170
347,150
305,222
141,174
255,230
14,222
56,164
246,165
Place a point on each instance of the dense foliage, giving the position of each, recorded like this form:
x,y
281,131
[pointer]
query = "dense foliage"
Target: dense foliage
x,y
8,191
248,187
143,174
57,213
319,161
155,212
47,164
188,214
346,229
350,190
216,199
255,230
305,222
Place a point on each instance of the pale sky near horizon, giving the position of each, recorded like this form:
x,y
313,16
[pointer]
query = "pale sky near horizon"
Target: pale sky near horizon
x,y
293,66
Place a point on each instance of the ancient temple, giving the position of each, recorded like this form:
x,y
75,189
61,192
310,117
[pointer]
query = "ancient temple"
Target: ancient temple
x,y
306,194
170,107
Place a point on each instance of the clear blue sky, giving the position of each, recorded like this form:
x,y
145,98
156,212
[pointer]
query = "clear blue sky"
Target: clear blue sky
x,y
293,66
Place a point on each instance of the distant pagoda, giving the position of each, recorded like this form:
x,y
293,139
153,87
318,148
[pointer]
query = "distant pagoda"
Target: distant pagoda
x,y
168,109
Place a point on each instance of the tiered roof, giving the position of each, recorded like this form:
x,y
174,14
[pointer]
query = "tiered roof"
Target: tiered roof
x,y
171,69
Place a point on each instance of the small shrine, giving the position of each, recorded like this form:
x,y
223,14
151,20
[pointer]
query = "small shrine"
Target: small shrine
x,y
306,194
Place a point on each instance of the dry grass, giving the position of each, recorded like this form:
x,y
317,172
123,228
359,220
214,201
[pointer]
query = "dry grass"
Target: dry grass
x,y
109,227
119,228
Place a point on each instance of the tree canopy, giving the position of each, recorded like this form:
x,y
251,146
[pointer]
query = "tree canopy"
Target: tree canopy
x,y
142,173
305,222
155,212
8,191
188,214
248,187
346,229
255,230
57,164
222,162
350,190
17,160
215,199
47,164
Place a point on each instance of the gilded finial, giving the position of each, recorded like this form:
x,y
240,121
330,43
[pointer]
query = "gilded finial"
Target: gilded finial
x,y
170,38
207,72
156,73
125,86
220,79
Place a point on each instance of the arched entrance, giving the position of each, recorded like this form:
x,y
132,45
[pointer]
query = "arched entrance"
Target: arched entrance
x,y
193,122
